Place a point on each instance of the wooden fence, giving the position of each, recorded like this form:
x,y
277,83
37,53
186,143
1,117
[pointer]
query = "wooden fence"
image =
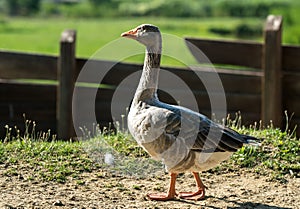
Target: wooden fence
x,y
265,91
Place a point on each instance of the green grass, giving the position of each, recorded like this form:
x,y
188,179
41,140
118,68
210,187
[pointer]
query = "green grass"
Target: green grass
x,y
51,161
35,157
38,157
43,35
277,156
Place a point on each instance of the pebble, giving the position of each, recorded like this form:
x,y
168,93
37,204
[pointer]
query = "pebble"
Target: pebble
x,y
58,203
20,177
72,198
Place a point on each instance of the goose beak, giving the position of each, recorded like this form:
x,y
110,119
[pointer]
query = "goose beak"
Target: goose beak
x,y
130,34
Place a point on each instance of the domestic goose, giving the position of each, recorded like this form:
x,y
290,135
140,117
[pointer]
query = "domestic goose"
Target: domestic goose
x,y
185,141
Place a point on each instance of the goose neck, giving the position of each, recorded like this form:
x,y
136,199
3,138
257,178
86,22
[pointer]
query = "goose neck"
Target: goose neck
x,y
147,88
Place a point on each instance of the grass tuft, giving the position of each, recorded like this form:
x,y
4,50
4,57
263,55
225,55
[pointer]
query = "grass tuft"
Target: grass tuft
x,y
35,157
277,157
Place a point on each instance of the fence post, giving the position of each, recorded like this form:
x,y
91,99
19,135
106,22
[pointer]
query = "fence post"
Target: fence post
x,y
272,68
66,79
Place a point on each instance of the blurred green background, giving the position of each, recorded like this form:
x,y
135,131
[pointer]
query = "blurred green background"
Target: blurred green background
x,y
36,25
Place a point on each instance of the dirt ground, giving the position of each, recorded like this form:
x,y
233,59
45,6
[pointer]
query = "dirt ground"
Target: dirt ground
x,y
103,190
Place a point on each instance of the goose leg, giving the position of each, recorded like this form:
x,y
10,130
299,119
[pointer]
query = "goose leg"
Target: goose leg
x,y
166,196
199,194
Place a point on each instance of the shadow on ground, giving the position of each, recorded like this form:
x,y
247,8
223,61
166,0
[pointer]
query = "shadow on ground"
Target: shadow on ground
x,y
239,205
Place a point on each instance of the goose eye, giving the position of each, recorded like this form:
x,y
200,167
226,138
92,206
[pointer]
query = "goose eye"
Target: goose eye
x,y
142,29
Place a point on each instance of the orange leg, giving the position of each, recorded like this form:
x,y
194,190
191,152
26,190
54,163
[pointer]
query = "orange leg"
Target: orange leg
x,y
199,194
171,193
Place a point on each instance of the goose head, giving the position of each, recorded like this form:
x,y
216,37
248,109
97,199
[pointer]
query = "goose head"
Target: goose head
x,y
147,34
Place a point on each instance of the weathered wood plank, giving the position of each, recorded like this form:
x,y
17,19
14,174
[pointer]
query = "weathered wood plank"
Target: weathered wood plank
x,y
15,65
18,92
241,53
272,66
235,99
42,111
291,85
37,102
66,78
292,104
290,58
233,80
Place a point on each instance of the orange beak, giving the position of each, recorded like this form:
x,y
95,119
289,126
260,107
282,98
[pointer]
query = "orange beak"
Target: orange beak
x,y
130,34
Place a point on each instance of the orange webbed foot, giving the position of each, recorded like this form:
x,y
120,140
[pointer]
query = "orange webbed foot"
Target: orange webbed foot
x,y
198,195
166,196
161,196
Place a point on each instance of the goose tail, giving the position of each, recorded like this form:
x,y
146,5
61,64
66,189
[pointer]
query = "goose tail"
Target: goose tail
x,y
251,140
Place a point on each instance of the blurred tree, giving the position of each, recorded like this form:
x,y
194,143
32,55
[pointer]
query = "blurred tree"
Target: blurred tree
x,y
12,7
99,2
23,7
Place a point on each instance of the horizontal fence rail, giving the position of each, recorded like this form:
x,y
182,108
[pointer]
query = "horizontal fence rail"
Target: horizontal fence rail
x,y
15,65
46,100
229,52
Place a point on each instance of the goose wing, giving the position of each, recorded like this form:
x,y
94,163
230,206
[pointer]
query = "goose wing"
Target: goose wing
x,y
208,136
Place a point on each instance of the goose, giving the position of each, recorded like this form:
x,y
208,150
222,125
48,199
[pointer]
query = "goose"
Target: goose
x,y
184,140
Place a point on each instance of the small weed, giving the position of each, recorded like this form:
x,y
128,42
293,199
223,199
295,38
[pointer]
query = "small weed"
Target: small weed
x,y
114,184
80,182
101,175
122,188
158,188
136,187
11,172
